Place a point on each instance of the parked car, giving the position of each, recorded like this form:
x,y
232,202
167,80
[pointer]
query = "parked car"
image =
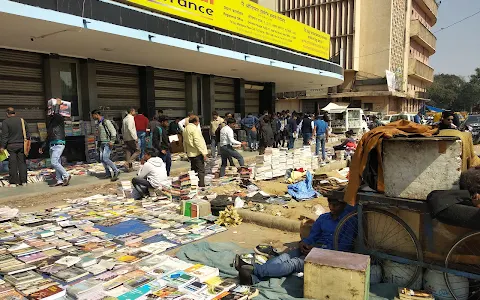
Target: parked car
x,y
472,124
386,119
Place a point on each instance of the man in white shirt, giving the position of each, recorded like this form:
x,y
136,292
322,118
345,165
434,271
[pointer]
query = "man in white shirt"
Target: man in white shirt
x,y
227,142
129,131
183,123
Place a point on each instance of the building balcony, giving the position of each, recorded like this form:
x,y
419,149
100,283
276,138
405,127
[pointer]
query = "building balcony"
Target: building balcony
x,y
430,7
421,95
423,36
419,70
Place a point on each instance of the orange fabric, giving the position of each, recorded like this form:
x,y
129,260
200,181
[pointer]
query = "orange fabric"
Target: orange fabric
x,y
373,140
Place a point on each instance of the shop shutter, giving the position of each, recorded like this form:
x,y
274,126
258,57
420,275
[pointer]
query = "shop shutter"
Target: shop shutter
x,y
252,102
118,88
224,95
22,84
170,93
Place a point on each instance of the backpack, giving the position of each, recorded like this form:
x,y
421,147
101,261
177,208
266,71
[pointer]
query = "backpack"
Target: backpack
x,y
107,131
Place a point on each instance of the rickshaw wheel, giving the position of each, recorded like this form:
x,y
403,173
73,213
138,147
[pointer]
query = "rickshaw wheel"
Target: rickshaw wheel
x,y
383,232
464,256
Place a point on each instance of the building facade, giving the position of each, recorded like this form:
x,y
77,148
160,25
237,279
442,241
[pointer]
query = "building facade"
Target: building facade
x,y
117,54
369,37
178,56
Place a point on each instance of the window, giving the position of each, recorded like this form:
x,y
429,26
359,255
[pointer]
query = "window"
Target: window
x,y
69,82
368,106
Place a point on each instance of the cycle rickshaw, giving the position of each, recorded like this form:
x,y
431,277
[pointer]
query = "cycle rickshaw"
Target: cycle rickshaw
x,y
375,231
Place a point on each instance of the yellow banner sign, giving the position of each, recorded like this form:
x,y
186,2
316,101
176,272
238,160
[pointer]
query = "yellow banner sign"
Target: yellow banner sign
x,y
246,18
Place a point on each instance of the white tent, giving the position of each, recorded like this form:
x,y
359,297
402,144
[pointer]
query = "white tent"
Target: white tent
x,y
336,108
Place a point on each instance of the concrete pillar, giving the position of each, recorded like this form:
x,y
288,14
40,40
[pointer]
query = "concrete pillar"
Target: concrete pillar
x,y
208,97
88,87
191,93
147,91
267,98
240,96
51,71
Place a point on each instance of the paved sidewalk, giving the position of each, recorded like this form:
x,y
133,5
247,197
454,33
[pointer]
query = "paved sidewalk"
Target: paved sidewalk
x,y
83,181
41,189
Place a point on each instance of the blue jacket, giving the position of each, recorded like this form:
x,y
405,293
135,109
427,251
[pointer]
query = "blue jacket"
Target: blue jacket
x,y
250,121
323,231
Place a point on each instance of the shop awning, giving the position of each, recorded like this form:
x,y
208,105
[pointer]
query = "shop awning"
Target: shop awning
x,y
434,109
336,108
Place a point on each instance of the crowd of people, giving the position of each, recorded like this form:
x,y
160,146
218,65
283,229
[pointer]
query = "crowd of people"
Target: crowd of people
x,y
141,135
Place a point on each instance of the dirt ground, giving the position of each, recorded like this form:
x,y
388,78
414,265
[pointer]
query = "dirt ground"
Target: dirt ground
x,y
249,235
44,201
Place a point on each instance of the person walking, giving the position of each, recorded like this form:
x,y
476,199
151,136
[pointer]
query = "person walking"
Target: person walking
x,y
56,144
227,143
276,125
267,138
196,148
161,142
307,129
321,135
141,125
107,135
184,122
291,130
15,136
130,139
214,124
250,124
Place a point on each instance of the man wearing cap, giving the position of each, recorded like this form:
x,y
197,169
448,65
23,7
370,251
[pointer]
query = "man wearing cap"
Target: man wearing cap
x,y
321,236
13,140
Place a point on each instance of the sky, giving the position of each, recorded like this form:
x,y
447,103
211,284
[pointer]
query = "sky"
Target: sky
x,y
458,47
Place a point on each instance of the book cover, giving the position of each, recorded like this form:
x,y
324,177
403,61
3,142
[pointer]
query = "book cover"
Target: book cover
x,y
195,287
48,292
178,279
166,293
84,287
12,295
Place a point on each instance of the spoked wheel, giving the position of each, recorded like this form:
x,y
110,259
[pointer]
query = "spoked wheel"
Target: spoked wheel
x,y
464,256
383,232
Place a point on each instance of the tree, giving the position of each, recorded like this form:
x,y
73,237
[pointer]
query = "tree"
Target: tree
x,y
445,90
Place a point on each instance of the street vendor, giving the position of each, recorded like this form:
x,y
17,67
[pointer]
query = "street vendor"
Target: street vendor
x,y
152,174
349,142
321,236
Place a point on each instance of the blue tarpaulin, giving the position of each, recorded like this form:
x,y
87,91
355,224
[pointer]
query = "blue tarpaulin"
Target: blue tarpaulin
x,y
303,190
434,109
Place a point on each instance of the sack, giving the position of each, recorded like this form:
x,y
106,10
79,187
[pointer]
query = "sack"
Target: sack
x,y
27,144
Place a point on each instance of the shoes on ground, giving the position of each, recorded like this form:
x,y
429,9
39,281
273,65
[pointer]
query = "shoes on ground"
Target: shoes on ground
x,y
245,275
266,250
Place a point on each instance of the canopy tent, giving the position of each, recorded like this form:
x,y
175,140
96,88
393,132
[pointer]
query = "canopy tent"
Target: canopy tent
x,y
336,108
433,109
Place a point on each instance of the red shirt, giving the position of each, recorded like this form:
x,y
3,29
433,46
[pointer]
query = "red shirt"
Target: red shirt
x,y
141,123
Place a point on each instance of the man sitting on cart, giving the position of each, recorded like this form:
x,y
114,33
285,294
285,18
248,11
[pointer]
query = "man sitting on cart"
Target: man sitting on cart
x,y
459,207
321,236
